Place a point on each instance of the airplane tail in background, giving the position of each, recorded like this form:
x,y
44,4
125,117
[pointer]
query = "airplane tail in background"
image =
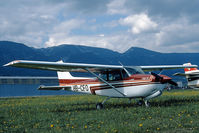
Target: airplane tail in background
x,y
187,70
192,75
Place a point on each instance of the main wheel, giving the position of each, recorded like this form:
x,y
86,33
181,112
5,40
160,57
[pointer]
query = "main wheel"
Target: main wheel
x,y
140,102
99,106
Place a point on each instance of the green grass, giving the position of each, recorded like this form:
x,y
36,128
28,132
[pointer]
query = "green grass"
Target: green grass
x,y
175,111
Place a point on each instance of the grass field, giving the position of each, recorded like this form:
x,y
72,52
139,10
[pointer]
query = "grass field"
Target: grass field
x,y
175,111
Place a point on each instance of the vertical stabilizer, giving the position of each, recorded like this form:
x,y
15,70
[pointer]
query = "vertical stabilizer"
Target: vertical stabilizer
x,y
189,69
64,75
65,78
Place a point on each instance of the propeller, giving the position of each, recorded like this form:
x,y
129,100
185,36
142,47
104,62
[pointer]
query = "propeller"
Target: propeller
x,y
172,83
159,78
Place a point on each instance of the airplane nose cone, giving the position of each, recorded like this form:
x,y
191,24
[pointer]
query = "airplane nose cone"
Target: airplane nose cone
x,y
166,78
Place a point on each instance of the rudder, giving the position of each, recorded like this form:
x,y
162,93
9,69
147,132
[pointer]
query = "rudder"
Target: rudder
x,y
189,69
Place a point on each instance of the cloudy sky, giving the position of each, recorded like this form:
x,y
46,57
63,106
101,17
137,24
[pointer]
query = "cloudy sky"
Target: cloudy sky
x,y
160,25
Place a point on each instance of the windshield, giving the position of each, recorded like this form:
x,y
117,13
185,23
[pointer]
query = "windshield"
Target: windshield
x,y
134,70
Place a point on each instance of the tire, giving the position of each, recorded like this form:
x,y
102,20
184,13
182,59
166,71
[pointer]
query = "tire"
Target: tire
x,y
140,102
99,106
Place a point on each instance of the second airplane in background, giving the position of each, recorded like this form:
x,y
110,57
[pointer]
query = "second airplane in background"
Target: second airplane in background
x,y
192,76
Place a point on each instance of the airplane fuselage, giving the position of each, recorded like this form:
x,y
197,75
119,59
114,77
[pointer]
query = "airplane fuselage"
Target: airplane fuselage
x,y
193,79
194,84
135,86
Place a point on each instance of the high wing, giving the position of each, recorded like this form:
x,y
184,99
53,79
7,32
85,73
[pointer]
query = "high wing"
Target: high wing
x,y
165,67
60,66
79,67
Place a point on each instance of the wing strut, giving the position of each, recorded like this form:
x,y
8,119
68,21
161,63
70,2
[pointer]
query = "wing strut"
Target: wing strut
x,y
125,69
161,71
101,79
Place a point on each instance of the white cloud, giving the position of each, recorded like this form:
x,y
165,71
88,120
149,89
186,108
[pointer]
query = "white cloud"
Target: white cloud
x,y
113,24
179,32
116,7
68,25
101,35
62,31
139,23
119,42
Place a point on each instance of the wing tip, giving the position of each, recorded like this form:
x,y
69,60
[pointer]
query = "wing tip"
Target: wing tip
x,y
11,63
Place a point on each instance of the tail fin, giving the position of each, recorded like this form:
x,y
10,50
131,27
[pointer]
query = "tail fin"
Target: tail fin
x,y
189,69
65,78
64,75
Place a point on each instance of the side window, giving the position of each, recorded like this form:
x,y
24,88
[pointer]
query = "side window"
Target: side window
x,y
115,76
103,76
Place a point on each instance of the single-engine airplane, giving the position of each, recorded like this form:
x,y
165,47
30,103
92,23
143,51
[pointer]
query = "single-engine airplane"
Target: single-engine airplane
x,y
192,76
113,81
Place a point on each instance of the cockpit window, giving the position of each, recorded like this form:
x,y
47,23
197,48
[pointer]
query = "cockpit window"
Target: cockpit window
x,y
116,75
111,75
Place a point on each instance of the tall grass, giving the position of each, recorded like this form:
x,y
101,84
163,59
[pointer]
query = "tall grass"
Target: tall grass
x,y
173,112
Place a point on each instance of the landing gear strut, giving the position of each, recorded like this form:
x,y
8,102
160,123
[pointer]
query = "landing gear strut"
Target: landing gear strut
x,y
101,105
141,102
146,103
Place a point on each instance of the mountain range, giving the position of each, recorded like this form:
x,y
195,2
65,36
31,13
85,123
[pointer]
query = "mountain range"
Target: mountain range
x,y
10,51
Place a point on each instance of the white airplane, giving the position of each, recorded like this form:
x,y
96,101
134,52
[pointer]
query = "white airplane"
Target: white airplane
x,y
113,81
192,76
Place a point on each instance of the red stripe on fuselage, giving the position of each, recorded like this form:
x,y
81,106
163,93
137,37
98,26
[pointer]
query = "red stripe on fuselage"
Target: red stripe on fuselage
x,y
71,81
137,77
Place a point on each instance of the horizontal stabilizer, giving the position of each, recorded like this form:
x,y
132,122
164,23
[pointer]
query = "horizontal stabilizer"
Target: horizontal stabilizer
x,y
179,74
42,87
165,67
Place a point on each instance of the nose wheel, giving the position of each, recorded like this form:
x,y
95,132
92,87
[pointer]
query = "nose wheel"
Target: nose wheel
x,y
145,102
